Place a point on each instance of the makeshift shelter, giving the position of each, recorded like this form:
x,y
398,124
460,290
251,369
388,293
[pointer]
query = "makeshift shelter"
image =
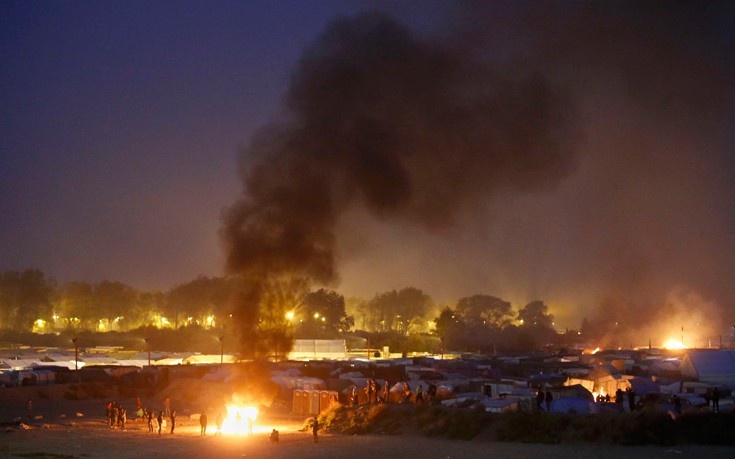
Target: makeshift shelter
x,y
711,366
574,405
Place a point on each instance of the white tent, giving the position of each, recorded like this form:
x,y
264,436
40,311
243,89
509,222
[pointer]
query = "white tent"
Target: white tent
x,y
711,366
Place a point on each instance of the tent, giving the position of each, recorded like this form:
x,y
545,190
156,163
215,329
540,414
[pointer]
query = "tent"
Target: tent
x,y
710,365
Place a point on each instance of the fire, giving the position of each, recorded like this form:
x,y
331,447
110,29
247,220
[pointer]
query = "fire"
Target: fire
x,y
674,344
596,394
239,420
593,351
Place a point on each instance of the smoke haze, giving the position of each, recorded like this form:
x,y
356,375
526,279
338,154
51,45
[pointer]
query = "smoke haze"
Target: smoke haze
x,y
575,153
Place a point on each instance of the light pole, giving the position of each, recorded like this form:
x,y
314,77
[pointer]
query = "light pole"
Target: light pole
x,y
76,353
148,346
221,350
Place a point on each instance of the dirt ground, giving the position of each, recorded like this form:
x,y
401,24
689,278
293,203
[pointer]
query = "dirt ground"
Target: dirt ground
x,y
61,433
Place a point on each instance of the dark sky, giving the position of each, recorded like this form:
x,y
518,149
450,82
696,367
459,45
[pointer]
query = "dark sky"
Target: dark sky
x,y
121,123
574,152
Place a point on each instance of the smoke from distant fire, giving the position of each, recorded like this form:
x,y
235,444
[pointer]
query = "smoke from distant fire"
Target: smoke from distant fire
x,y
572,152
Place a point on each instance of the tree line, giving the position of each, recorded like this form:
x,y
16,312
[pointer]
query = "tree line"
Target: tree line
x,y
31,301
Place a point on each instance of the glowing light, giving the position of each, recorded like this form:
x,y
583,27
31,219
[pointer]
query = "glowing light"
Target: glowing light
x,y
239,420
674,344
591,351
39,325
210,320
289,315
600,394
316,315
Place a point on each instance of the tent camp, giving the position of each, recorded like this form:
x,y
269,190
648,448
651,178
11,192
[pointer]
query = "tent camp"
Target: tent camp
x,y
710,365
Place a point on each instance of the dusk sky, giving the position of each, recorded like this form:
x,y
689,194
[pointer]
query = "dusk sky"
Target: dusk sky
x,y
578,153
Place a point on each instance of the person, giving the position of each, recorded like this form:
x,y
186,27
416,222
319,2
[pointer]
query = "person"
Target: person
x,y
315,429
167,406
250,427
716,400
619,398
419,394
149,415
203,423
274,436
219,421
29,405
540,399
677,404
432,391
109,413
173,420
123,418
406,392
386,392
631,399
159,419
548,398
607,398
378,388
353,395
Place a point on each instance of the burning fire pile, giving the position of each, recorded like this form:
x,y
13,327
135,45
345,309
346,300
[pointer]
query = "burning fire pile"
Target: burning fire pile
x,y
239,419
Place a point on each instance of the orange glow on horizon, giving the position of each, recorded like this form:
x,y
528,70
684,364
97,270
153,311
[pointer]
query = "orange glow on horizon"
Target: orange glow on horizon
x,y
674,344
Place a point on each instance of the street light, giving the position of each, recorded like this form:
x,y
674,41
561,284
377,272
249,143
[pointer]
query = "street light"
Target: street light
x,y
221,350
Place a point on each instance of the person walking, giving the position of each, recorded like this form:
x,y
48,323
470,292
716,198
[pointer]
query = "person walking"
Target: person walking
x,y
149,417
173,420
631,399
203,423
716,400
219,420
315,429
159,419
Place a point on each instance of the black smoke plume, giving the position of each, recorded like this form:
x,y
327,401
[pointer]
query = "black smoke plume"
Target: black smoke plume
x,y
580,149
403,126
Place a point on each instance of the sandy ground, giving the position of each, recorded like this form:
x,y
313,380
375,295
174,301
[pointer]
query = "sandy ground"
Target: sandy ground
x,y
61,434
94,439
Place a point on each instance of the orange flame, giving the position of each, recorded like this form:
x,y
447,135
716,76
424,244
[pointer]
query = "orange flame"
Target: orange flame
x,y
239,420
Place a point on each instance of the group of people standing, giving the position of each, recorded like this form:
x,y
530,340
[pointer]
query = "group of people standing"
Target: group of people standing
x,y
117,416
375,393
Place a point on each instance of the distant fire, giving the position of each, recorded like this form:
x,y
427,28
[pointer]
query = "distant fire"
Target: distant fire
x,y
591,351
674,344
598,394
239,420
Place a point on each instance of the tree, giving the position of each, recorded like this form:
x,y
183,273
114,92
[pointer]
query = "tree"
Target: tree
x,y
485,310
114,300
24,298
394,310
536,313
77,305
324,311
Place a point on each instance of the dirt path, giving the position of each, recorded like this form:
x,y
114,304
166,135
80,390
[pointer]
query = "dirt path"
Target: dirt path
x,y
92,438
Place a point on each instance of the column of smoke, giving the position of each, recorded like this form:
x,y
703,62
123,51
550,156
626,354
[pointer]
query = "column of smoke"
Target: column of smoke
x,y
515,111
